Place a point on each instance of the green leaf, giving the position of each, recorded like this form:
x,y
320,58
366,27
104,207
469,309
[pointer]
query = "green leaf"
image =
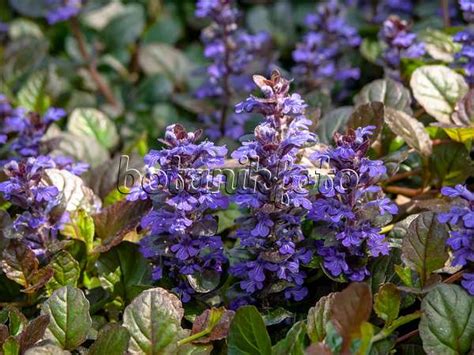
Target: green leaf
x,y
11,347
81,148
411,130
438,89
167,60
439,45
447,321
32,94
93,123
423,248
293,343
450,164
112,339
166,30
332,122
153,321
226,218
125,27
68,310
387,303
213,324
22,27
248,334
317,318
371,50
390,92
369,114
81,227
31,8
122,269
66,271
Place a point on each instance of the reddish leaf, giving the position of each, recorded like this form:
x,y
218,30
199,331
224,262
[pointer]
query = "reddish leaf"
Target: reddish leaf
x,y
349,310
216,321
21,265
33,332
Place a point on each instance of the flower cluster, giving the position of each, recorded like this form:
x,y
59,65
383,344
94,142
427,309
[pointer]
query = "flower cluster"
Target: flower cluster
x,y
321,57
462,238
232,51
271,233
181,237
399,43
62,10
26,188
21,132
348,203
466,39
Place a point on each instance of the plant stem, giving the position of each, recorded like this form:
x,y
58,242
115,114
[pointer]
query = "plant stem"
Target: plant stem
x,y
91,65
406,191
404,175
193,337
385,332
445,11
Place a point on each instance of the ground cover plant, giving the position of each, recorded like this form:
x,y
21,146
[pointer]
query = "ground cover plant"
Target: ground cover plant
x,y
236,177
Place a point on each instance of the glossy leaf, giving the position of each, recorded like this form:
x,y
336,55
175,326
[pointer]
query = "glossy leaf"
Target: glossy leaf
x,y
391,93
332,122
112,339
410,129
122,270
293,343
93,123
317,318
423,247
153,321
369,114
387,303
248,334
349,310
438,89
66,271
68,311
447,322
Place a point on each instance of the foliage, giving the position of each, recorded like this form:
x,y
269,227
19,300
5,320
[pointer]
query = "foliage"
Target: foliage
x,y
236,177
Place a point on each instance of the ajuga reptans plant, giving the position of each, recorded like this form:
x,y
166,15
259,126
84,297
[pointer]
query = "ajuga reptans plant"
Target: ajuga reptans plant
x,y
461,242
180,240
276,197
322,58
231,51
347,205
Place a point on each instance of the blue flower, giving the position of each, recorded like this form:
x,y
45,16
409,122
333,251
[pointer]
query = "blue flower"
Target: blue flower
x,y
399,43
344,206
461,218
232,53
62,10
322,55
271,232
180,236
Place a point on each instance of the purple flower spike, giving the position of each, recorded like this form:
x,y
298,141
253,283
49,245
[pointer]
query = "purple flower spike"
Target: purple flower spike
x,y
321,57
271,233
232,52
461,241
180,239
350,206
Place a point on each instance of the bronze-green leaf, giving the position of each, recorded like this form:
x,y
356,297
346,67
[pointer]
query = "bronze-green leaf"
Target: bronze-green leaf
x,y
423,248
